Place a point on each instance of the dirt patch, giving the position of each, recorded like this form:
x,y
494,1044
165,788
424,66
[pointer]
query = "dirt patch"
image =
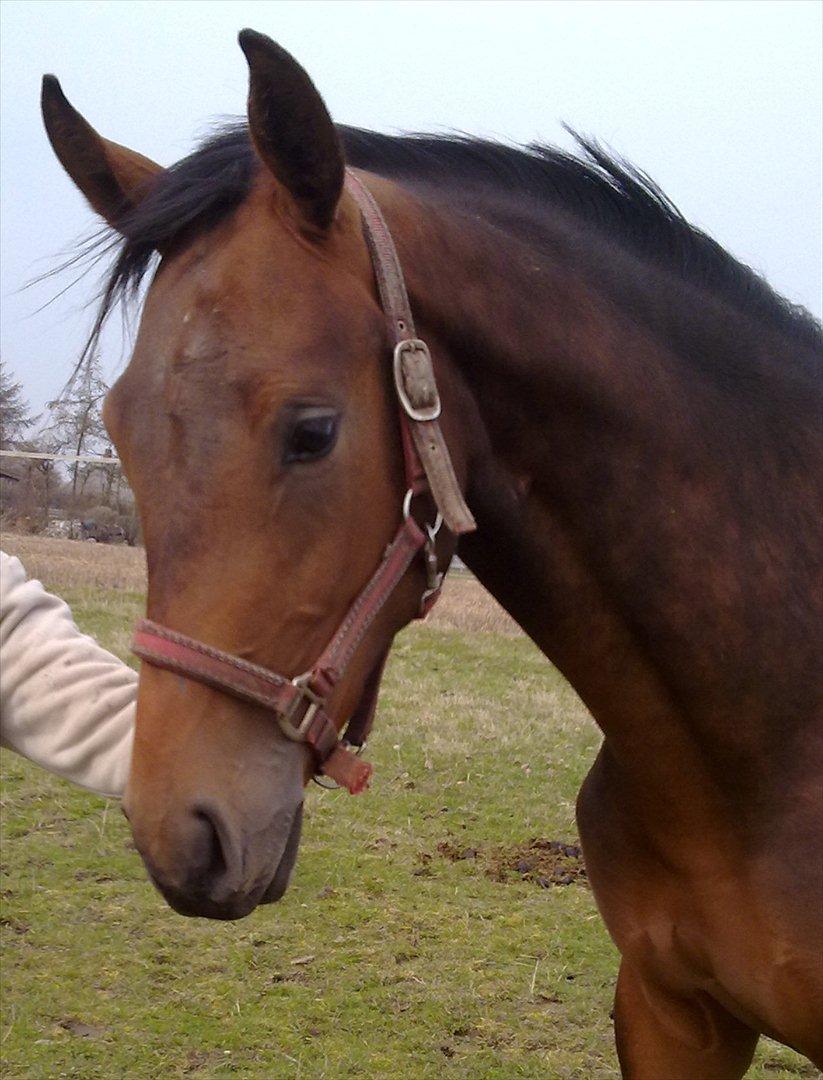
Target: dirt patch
x,y
204,1062
14,924
80,1028
288,977
543,862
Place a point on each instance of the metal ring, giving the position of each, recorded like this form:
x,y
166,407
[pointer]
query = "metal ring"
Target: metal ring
x,y
333,786
432,530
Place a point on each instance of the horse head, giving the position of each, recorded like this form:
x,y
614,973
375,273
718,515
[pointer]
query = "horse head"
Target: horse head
x,y
257,426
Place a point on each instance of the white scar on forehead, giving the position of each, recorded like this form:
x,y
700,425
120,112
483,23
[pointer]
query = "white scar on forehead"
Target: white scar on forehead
x,y
187,317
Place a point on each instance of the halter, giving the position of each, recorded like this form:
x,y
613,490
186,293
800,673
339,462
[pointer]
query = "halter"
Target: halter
x,y
300,704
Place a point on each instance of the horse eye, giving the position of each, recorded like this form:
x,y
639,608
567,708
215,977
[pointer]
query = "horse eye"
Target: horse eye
x,y
311,437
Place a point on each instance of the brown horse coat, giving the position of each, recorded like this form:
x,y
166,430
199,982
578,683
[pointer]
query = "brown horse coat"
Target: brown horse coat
x,y
636,420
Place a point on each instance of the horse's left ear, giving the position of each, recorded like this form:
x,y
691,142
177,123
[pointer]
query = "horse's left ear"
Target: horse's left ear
x,y
113,178
292,130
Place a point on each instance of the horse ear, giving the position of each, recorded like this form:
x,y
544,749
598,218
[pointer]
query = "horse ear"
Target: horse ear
x,y
292,130
112,178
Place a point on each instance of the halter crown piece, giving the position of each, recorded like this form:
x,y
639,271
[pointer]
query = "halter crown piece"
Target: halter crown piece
x,y
300,704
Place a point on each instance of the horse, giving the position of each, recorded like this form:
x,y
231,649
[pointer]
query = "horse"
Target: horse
x,y
619,425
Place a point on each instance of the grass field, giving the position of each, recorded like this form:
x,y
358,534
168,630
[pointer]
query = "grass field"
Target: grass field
x,y
412,943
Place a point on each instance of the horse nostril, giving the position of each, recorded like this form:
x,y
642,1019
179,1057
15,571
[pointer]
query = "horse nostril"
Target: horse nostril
x,y
209,853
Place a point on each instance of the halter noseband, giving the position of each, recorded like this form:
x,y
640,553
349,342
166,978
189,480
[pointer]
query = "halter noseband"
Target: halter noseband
x,y
300,704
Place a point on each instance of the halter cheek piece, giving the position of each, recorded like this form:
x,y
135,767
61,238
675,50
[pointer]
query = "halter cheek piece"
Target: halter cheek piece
x,y
300,704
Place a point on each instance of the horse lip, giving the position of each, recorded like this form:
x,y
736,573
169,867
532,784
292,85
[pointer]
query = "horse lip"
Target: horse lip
x,y
282,875
203,908
197,904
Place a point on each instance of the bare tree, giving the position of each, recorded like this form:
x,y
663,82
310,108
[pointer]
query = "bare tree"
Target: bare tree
x,y
76,421
35,492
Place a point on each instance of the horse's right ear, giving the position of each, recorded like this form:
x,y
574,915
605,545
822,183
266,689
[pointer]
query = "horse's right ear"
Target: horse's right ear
x,y
113,178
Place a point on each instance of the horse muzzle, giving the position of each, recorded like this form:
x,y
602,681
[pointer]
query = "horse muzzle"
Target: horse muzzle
x,y
212,871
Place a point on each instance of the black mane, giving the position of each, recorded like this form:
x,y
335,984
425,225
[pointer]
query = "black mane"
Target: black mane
x,y
203,189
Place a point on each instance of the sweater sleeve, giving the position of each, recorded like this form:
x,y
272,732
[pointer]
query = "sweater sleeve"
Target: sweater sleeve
x,y
65,702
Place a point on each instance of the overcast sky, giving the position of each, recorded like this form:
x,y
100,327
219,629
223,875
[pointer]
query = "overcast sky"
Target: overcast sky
x,y
720,102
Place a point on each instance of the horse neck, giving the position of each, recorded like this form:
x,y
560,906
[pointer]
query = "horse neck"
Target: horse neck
x,y
632,515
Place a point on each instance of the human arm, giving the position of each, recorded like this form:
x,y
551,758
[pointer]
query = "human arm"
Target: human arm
x,y
65,702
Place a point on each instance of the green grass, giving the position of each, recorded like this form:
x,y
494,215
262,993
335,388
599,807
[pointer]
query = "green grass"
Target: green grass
x,y
385,959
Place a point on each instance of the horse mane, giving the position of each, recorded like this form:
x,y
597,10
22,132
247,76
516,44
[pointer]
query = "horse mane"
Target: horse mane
x,y
601,191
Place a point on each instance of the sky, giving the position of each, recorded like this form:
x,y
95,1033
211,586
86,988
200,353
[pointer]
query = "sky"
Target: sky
x,y
719,102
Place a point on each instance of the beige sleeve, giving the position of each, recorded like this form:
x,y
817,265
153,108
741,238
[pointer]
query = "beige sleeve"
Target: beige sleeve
x,y
65,702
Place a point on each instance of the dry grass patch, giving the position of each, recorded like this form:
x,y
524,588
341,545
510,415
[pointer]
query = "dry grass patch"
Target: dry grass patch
x,y
71,564
466,606
74,564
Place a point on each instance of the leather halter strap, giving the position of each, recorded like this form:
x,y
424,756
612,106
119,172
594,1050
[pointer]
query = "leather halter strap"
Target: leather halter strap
x,y
301,704
424,448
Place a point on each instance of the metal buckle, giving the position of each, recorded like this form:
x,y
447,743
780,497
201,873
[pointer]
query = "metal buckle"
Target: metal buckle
x,y
307,697
414,380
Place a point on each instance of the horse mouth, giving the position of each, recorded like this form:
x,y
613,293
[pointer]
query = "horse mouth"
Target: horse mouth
x,y
282,875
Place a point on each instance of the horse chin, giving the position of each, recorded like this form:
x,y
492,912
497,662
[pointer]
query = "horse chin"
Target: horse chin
x,y
282,875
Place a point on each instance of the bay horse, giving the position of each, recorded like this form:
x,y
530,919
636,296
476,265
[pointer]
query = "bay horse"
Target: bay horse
x,y
633,419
